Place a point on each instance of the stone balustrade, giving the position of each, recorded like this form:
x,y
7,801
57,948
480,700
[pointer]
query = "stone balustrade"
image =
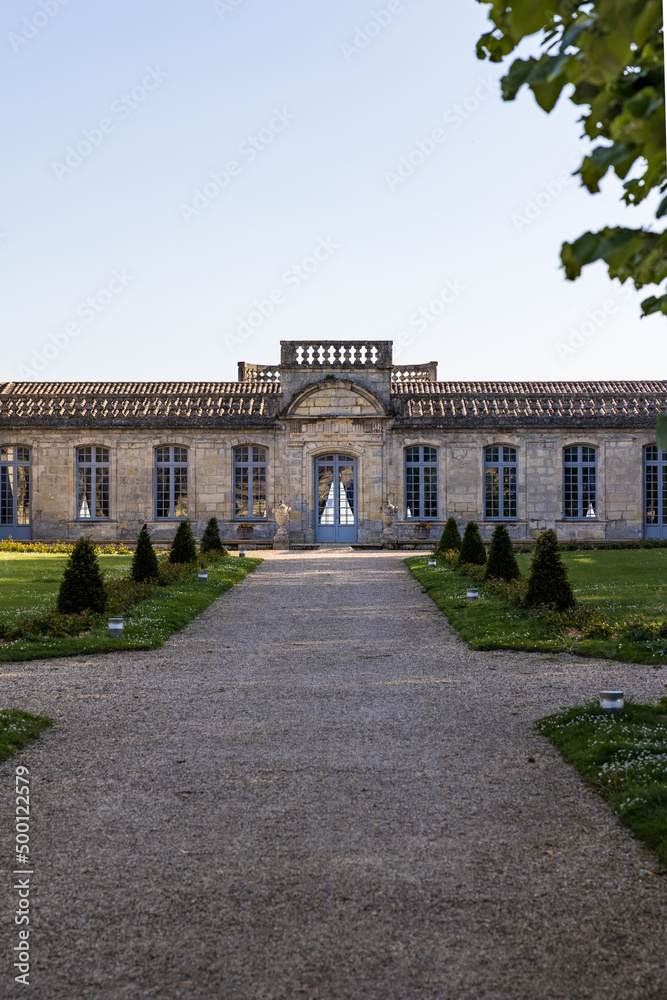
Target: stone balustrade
x,y
362,354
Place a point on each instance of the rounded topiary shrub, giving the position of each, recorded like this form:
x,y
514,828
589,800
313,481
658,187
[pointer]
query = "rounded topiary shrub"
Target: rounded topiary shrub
x,y
502,564
472,546
144,561
450,538
82,586
183,548
548,583
210,540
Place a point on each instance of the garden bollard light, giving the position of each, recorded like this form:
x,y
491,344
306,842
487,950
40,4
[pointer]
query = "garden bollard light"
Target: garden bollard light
x,y
115,628
241,553
472,593
611,702
432,561
202,576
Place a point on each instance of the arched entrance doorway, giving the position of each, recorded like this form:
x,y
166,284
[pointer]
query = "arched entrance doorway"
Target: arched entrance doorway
x,y
335,498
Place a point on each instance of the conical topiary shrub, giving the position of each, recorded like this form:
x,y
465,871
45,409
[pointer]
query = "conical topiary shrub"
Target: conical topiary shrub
x,y
450,538
502,562
548,583
144,561
183,548
472,546
82,586
210,540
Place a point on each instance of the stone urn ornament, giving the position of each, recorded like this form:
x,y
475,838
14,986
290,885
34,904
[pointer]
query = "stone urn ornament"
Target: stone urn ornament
x,y
281,514
388,513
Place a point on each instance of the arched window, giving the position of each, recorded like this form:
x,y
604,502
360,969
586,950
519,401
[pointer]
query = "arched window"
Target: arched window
x,y
249,482
171,482
421,483
580,482
655,492
15,492
500,466
92,483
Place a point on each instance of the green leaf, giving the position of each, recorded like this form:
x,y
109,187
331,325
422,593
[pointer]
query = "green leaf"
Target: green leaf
x,y
662,208
661,433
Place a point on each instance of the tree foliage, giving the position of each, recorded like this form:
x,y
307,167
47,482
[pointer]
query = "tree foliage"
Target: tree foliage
x,y
472,546
82,585
610,52
144,560
210,540
548,584
450,537
183,548
502,564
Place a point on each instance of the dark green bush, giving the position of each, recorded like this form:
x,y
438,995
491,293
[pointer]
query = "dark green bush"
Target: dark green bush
x,y
144,561
502,564
472,546
210,540
82,587
183,548
548,584
450,538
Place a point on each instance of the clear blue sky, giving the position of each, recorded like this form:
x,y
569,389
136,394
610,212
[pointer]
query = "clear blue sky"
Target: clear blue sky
x,y
114,268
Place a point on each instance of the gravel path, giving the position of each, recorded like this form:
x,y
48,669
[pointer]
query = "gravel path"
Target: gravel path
x,y
316,790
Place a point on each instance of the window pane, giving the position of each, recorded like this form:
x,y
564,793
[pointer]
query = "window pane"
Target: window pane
x,y
492,492
509,454
163,480
102,492
180,455
241,492
85,492
412,483
572,492
84,455
570,454
162,454
412,454
180,491
430,492
509,491
6,494
325,493
430,455
6,454
651,493
23,454
652,453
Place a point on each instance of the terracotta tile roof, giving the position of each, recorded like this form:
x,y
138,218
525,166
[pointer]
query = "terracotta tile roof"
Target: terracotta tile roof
x,y
531,403
136,388
125,402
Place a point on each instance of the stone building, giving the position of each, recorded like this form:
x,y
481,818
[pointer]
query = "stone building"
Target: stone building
x,y
334,430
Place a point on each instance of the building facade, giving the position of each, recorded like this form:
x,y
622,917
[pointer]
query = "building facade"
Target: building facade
x,y
334,430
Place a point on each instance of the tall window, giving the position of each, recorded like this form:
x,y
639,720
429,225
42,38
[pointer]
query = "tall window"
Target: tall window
x,y
500,482
14,486
249,481
92,478
655,491
421,483
580,481
171,482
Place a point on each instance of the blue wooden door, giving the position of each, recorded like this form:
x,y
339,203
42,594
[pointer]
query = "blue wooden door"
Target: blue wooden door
x,y
15,493
335,498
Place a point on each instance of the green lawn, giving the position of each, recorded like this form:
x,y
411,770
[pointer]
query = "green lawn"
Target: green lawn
x,y
17,729
29,581
621,582
624,759
34,580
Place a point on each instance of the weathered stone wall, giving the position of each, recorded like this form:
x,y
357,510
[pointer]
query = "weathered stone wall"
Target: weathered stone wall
x,y
320,427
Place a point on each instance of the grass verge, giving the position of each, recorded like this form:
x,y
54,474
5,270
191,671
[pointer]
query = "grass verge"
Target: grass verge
x,y
624,759
148,624
19,728
491,623
488,622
